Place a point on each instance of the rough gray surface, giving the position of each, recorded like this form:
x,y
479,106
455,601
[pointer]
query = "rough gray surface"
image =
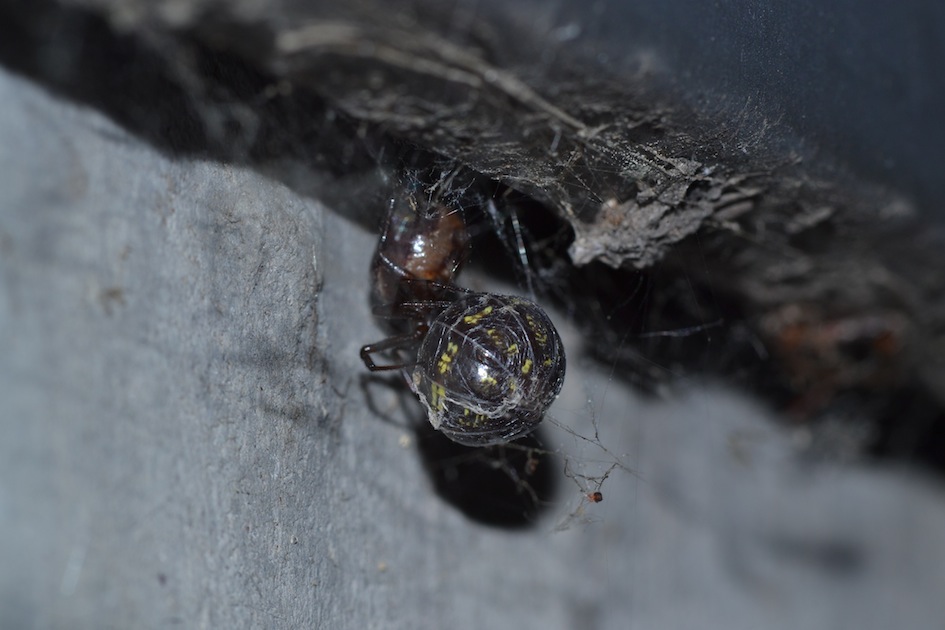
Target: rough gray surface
x,y
185,441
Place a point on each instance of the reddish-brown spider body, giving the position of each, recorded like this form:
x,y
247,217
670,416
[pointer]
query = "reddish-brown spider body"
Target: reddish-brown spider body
x,y
420,252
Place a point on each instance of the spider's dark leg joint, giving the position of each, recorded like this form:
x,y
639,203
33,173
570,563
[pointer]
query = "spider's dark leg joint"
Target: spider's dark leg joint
x,y
391,343
408,310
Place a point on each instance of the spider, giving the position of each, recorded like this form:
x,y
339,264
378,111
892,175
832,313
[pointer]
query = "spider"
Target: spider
x,y
486,367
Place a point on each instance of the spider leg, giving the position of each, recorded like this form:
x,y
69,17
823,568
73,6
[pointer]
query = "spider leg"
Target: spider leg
x,y
419,300
436,290
391,343
409,310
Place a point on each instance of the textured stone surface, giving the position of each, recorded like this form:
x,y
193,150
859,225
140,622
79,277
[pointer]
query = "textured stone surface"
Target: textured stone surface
x,y
186,440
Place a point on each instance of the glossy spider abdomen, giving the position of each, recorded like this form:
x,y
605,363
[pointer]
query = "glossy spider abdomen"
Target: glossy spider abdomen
x,y
427,245
488,369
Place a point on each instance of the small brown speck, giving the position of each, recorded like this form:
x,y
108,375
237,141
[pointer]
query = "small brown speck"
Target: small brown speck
x,y
111,296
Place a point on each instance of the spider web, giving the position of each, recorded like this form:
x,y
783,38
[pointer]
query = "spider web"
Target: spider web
x,y
580,449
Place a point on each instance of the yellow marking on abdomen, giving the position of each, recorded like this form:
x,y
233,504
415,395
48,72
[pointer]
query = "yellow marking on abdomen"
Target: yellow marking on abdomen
x,y
474,319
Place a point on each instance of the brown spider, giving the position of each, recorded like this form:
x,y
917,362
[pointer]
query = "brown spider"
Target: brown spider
x,y
486,367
